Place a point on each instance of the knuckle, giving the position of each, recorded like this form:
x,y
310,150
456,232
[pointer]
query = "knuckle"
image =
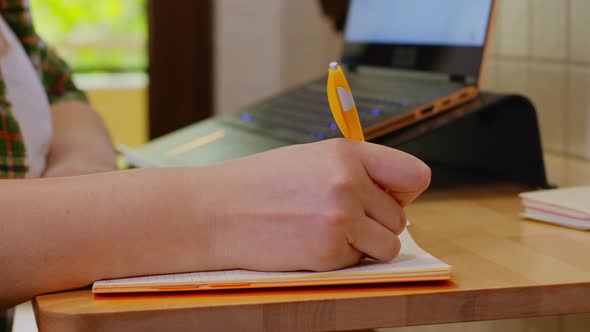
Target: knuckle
x,y
342,149
342,181
340,145
330,245
327,257
334,220
340,174
337,179
331,257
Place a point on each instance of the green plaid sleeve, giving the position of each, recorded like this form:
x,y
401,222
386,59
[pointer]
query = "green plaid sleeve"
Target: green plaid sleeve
x,y
12,148
57,77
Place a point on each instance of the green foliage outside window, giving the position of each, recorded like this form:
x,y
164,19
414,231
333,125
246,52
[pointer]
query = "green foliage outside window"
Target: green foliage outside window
x,y
95,35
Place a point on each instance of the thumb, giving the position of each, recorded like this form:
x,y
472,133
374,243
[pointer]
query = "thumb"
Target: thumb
x,y
404,176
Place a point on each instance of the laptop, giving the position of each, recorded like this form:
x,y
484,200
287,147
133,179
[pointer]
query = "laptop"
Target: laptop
x,y
406,61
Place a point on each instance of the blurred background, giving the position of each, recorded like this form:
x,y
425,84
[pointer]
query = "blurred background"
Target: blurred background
x,y
154,66
105,42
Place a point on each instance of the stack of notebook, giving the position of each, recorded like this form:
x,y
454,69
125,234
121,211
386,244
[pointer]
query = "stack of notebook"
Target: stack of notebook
x,y
569,207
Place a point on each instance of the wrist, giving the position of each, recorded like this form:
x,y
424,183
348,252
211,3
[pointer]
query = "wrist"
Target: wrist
x,y
215,207
201,207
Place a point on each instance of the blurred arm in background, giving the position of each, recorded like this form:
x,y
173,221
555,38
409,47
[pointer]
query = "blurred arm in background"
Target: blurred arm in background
x,y
81,143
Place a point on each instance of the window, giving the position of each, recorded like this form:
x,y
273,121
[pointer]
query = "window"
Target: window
x,y
95,36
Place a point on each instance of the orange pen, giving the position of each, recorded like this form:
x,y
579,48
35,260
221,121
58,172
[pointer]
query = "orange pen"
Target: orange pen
x,y
342,104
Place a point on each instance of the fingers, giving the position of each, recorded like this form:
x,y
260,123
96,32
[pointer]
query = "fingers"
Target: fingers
x,y
383,208
374,239
405,176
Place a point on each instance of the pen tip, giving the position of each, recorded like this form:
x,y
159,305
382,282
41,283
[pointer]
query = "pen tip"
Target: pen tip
x,y
333,65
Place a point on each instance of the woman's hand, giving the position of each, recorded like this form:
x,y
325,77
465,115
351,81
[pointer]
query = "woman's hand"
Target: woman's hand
x,y
314,207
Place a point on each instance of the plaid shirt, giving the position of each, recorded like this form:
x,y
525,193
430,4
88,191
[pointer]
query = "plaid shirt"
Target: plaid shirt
x,y
54,74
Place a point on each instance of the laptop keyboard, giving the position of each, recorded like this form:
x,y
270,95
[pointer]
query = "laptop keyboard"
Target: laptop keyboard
x,y
303,115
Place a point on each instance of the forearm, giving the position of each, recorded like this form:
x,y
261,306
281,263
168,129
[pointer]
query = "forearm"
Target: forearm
x,y
80,144
68,232
264,212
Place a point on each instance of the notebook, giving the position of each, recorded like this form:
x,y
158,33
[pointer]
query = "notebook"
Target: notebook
x,y
569,207
412,264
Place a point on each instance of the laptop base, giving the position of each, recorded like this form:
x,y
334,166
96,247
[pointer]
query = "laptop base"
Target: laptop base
x,y
494,136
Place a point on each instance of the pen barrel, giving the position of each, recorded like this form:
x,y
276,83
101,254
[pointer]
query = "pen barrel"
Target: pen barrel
x,y
355,130
342,105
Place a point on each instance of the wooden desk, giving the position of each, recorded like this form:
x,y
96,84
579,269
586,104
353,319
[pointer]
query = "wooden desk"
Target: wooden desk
x,y
504,268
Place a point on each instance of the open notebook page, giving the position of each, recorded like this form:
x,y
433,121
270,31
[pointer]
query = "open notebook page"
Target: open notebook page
x,y
412,264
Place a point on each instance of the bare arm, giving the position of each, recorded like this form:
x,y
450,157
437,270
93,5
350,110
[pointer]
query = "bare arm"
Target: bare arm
x,y
65,233
80,144
307,207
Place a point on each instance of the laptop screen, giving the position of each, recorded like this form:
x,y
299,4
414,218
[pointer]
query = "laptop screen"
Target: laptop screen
x,y
433,35
418,22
